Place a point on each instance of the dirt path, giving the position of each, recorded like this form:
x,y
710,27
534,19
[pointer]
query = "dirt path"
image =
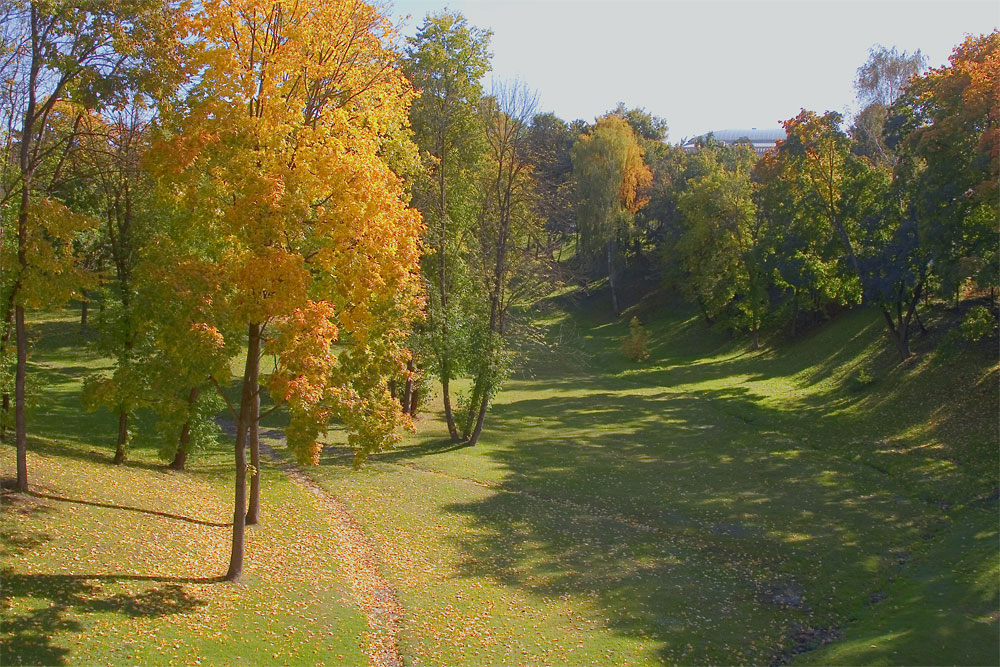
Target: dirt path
x,y
360,564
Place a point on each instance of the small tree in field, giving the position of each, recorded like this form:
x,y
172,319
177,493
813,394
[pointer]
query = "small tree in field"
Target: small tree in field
x,y
635,347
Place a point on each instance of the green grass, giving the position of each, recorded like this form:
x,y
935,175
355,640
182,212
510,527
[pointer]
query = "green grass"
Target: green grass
x,y
710,506
121,565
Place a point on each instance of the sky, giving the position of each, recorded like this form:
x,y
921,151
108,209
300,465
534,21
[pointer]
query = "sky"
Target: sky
x,y
709,65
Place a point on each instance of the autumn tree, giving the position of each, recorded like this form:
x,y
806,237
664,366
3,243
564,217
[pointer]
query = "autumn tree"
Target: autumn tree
x,y
289,215
946,128
446,61
56,53
610,178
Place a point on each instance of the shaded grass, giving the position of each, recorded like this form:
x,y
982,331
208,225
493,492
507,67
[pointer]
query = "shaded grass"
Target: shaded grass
x,y
712,506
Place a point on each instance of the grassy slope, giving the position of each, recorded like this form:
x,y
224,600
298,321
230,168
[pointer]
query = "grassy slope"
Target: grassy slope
x,y
709,506
113,565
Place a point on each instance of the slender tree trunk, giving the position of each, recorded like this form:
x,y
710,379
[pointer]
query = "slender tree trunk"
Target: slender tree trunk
x,y
7,331
250,373
20,431
414,396
121,452
408,387
755,342
611,281
83,312
253,511
449,415
392,389
184,444
480,420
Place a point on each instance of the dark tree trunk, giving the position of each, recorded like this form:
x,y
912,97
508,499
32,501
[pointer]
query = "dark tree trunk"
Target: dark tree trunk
x,y
184,444
20,430
83,312
392,389
121,451
414,395
253,511
408,387
250,373
5,400
755,342
181,457
3,416
611,281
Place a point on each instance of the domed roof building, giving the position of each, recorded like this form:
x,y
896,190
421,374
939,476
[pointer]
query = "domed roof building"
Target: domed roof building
x,y
761,140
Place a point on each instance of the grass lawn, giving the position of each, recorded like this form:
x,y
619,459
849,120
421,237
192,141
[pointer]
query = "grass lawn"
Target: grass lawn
x,y
709,506
120,565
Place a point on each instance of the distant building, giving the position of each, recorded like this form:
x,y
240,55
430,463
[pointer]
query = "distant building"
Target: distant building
x,y
761,140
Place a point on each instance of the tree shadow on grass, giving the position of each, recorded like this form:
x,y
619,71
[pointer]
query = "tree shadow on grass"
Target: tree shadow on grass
x,y
691,519
61,599
127,508
427,447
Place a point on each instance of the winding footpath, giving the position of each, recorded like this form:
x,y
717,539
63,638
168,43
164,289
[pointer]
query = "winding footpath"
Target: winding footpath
x,y
359,561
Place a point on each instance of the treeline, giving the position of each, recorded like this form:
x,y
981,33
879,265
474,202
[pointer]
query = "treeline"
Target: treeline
x,y
235,180
900,206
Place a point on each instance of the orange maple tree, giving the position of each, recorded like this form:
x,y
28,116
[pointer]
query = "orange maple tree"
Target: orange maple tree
x,y
276,160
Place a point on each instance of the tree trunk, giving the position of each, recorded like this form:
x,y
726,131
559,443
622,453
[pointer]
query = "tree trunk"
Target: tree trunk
x,y
83,312
253,511
4,411
181,457
449,416
250,373
755,342
898,335
414,395
8,330
392,389
480,420
184,444
120,447
408,387
20,430
611,282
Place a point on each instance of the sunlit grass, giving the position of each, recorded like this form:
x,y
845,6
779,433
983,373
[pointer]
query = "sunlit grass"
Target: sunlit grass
x,y
712,506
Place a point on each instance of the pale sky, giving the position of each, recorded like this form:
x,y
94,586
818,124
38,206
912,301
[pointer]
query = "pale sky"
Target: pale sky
x,y
709,65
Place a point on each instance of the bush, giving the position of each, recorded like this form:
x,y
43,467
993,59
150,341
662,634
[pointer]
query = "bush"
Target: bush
x,y
863,379
635,347
978,324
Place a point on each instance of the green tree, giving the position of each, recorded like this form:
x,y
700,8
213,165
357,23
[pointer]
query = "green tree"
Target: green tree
x,y
509,272
88,52
446,61
722,248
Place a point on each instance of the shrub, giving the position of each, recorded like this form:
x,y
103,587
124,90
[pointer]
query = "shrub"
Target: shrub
x,y
978,324
635,347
